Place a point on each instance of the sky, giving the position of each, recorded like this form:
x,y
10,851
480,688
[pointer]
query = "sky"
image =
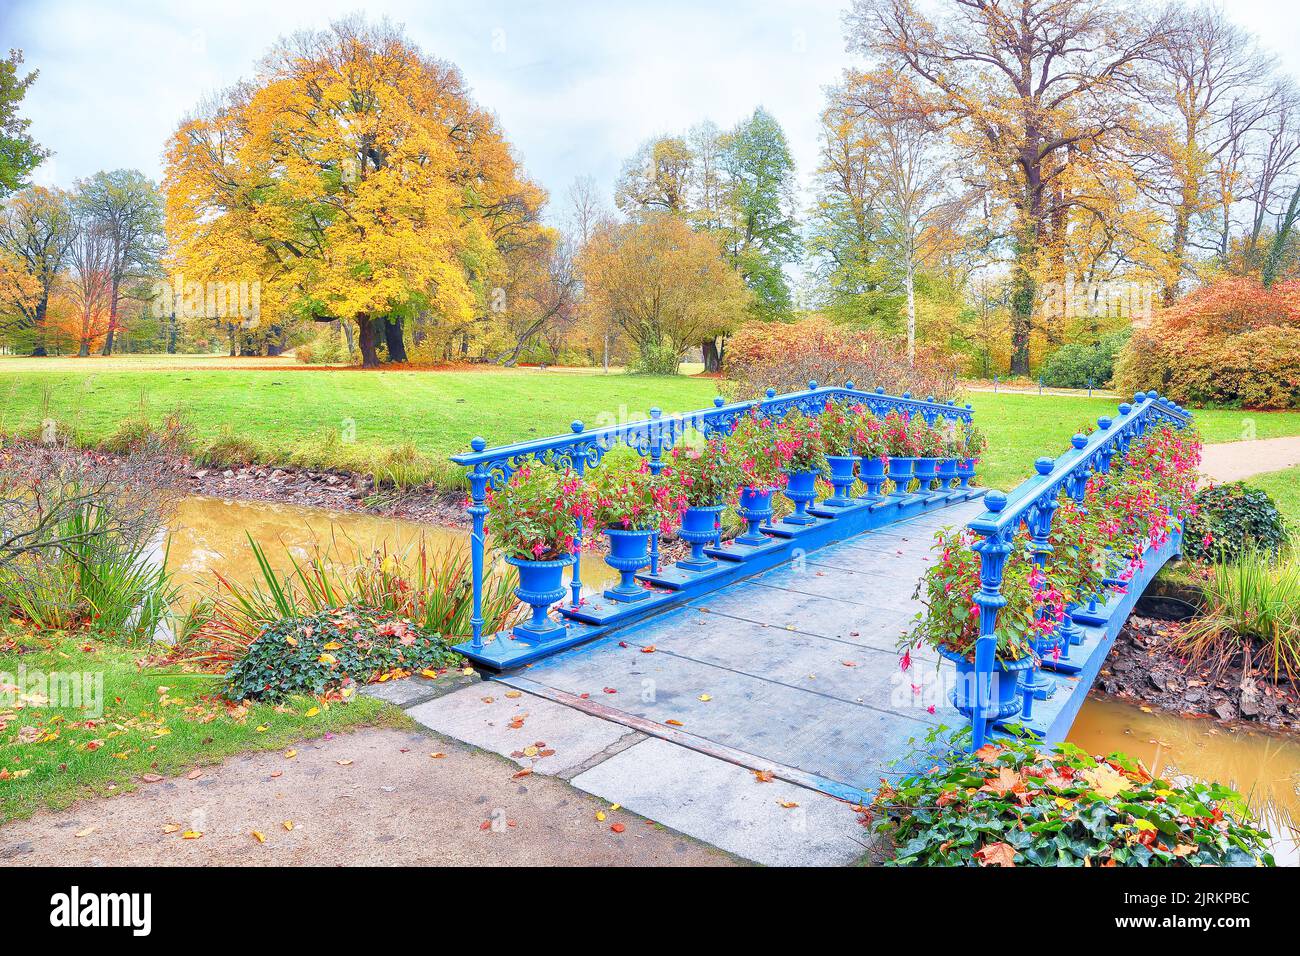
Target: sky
x,y
576,85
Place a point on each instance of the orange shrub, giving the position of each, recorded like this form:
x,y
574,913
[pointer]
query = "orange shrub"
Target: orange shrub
x,y
1232,342
786,356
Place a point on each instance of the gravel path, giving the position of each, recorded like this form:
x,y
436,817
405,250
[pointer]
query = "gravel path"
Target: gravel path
x,y
374,797
1232,461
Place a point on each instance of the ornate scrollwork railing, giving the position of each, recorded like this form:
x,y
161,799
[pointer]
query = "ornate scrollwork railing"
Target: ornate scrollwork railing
x,y
491,467
1033,503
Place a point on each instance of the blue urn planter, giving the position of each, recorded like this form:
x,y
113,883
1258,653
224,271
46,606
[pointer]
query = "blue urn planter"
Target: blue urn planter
x,y
755,507
801,488
841,479
699,527
965,472
873,470
629,552
1004,699
947,473
926,470
541,584
900,472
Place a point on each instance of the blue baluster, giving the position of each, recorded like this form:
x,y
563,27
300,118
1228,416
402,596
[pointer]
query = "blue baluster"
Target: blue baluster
x,y
656,466
1037,685
478,484
993,550
575,582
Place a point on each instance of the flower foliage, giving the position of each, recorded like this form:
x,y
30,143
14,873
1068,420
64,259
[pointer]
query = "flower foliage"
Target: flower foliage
x,y
535,516
840,423
1010,804
799,441
755,450
634,499
900,437
704,476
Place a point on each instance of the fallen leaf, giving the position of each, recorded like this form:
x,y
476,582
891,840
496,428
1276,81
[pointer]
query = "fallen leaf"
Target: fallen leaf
x,y
674,723
276,773
86,832
1106,781
764,776
600,815
192,835
996,854
787,804
610,690
344,763
617,827
288,825
151,777
290,754
521,773
512,694
313,711
706,697
194,775
259,836
648,649
171,828
437,756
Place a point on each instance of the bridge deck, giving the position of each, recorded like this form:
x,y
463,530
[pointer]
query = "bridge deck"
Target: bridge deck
x,y
799,664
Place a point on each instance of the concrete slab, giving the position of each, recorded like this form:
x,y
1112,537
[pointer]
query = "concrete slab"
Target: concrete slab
x,y
410,691
726,805
485,717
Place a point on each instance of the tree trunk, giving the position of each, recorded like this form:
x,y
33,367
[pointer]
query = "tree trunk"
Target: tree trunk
x,y
393,339
712,358
171,335
38,327
366,339
910,282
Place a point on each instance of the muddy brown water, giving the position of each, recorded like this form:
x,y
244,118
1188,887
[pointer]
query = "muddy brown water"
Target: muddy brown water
x,y
1264,767
211,534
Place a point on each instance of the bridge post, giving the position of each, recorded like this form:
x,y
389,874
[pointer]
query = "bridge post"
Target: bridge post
x,y
478,483
1037,685
993,550
656,466
575,581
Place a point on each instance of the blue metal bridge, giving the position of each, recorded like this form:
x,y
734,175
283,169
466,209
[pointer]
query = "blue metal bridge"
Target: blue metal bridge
x,y
784,656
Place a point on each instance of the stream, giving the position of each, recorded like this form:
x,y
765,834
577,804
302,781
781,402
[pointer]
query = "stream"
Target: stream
x,y
211,534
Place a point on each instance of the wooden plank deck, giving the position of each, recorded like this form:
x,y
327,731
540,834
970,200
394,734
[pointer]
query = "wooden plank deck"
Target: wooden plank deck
x,y
799,664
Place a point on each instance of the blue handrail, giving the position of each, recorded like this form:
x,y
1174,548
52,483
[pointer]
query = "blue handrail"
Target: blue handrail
x,y
491,467
1033,502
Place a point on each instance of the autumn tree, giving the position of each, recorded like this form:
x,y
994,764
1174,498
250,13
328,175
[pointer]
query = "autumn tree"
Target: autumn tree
x,y
88,288
1030,89
19,153
125,210
356,178
37,228
667,286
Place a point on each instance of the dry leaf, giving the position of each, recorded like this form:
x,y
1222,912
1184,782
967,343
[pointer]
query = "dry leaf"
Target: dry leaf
x,y
86,832
764,776
288,825
344,763
617,827
259,836
997,854
192,835
171,828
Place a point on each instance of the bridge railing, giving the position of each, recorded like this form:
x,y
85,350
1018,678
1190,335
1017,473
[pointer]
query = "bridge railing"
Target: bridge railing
x,y
581,449
1032,504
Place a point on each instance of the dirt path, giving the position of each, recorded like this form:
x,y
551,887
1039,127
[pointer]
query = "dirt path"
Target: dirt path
x,y
389,804
1232,461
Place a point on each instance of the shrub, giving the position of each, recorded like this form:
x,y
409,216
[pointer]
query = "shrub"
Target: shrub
x,y
322,651
78,541
138,435
705,476
786,356
1229,343
230,448
1083,365
1230,519
654,359
1252,610
1011,804
326,347
633,499
431,588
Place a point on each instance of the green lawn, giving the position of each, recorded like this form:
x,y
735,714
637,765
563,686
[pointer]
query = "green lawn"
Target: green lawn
x,y
1284,488
281,407
153,720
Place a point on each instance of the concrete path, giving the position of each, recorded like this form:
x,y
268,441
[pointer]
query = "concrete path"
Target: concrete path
x,y
373,797
752,718
1233,461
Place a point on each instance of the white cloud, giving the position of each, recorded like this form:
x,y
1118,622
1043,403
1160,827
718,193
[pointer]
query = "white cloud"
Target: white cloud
x,y
577,86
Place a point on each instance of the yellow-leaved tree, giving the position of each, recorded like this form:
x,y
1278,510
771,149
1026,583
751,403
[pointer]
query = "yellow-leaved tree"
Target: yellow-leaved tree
x,y
355,180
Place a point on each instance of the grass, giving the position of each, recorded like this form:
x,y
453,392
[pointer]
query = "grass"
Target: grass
x,y
1284,488
403,424
155,720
